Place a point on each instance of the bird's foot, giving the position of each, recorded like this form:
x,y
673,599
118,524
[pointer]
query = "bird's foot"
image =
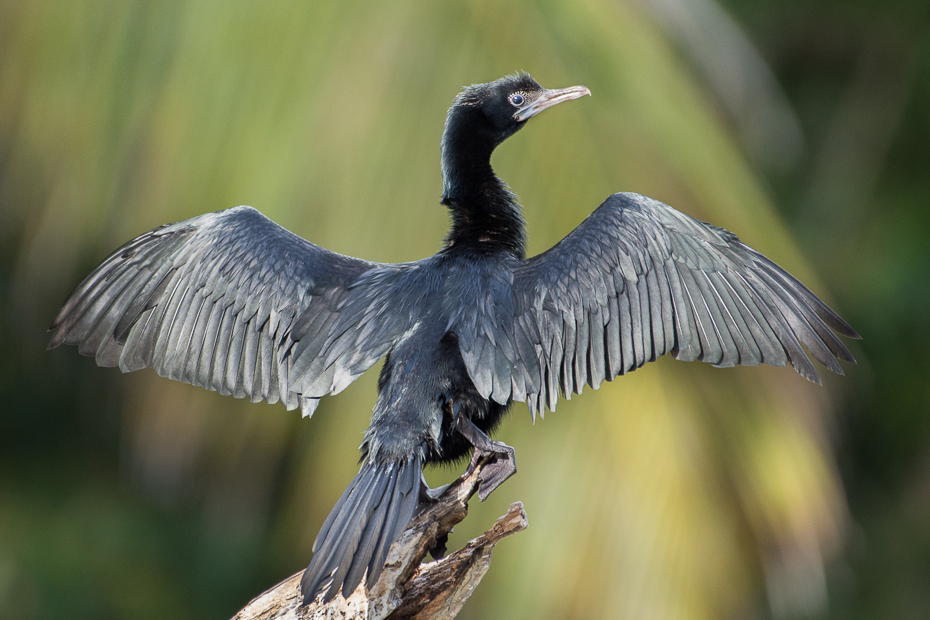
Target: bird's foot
x,y
429,495
502,461
503,464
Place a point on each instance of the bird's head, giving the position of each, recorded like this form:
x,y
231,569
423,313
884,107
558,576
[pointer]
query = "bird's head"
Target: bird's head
x,y
492,112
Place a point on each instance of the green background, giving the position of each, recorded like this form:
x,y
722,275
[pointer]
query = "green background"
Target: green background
x,y
680,491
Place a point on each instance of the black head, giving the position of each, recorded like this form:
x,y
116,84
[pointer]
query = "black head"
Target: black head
x,y
485,213
493,112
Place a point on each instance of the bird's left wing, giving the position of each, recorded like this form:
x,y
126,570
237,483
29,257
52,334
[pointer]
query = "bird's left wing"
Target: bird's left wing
x,y
233,302
638,279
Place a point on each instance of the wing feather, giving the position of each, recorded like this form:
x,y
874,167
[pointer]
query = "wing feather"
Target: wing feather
x,y
637,280
233,302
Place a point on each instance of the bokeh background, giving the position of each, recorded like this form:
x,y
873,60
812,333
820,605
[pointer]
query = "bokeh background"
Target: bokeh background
x,y
680,491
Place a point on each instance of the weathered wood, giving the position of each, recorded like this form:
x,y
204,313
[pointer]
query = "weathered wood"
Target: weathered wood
x,y
407,589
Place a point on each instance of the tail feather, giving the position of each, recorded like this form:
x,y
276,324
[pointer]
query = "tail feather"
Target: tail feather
x,y
365,553
397,516
364,523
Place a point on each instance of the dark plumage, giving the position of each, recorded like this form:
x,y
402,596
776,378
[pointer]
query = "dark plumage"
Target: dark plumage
x,y
233,302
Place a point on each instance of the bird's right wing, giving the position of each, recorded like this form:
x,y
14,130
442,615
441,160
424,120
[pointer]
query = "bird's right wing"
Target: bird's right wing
x,y
233,302
638,279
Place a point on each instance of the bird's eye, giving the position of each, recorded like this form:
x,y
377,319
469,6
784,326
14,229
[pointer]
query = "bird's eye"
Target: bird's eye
x,y
517,99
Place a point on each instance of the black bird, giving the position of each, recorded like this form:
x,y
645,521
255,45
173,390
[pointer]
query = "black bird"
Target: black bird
x,y
233,302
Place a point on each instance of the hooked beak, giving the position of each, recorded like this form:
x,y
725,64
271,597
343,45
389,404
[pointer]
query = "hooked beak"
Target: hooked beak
x,y
550,98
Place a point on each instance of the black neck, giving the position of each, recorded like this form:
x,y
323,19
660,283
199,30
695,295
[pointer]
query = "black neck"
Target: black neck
x,y
485,213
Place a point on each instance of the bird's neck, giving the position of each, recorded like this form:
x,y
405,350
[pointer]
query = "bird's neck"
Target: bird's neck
x,y
485,213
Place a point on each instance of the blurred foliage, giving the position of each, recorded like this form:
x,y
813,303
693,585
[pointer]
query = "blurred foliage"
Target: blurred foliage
x,y
681,491
858,74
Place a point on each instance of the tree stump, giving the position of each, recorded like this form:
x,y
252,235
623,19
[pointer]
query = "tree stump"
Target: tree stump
x,y
406,589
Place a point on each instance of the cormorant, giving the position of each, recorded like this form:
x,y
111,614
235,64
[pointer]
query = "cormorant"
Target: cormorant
x,y
233,302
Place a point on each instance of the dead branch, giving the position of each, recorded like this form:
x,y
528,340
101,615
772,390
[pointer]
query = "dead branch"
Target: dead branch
x,y
407,589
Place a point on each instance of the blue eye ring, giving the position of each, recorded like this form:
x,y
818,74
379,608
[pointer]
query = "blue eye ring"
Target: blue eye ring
x,y
517,99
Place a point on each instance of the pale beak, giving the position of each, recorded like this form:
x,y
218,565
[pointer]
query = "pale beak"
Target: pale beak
x,y
549,98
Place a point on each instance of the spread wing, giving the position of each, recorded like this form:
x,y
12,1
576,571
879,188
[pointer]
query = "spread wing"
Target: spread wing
x,y
232,302
638,279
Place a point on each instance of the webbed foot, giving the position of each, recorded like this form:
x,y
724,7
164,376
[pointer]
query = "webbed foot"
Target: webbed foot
x,y
502,466
503,461
429,495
